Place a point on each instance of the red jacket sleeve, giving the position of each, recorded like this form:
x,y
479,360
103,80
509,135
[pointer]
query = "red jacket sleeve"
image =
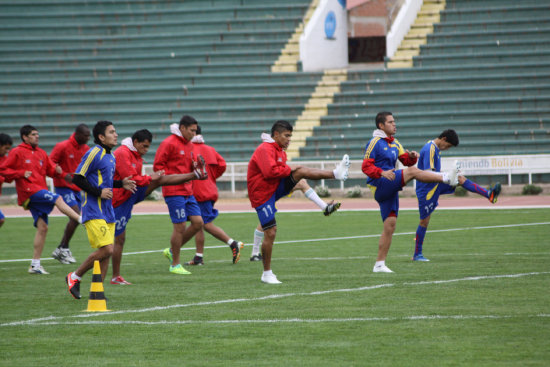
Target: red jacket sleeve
x,y
161,157
125,169
370,169
270,168
57,153
221,167
407,160
8,168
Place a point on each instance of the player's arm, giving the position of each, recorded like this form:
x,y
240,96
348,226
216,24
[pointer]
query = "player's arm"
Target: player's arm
x,y
368,167
124,168
9,168
161,157
406,157
270,168
220,167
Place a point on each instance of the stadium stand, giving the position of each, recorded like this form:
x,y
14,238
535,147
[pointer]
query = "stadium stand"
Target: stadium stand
x,y
484,71
145,63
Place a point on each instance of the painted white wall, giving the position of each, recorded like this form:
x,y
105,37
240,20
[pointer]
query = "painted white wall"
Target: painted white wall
x,y
400,27
320,48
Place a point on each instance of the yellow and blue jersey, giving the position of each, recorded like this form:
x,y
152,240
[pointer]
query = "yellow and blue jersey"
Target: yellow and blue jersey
x,y
98,167
385,154
430,159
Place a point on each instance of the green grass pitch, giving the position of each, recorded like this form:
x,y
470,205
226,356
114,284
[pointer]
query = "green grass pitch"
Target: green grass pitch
x,y
482,300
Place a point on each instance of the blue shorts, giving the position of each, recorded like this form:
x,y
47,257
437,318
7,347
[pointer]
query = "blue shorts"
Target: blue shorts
x,y
41,204
70,196
266,211
181,207
2,215
123,212
427,205
386,193
208,212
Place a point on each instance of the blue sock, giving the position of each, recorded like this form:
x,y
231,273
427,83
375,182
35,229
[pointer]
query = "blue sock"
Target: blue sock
x,y
475,188
419,240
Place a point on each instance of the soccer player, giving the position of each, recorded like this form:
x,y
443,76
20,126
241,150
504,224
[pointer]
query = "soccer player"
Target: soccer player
x,y
129,163
5,146
95,176
67,154
309,192
29,165
428,193
206,194
175,156
381,154
269,178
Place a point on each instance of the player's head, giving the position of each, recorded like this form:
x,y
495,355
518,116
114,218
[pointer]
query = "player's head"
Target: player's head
x,y
5,144
82,134
105,134
29,135
188,127
385,121
281,132
142,140
447,139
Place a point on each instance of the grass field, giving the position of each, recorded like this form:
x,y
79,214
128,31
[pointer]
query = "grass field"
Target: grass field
x,y
483,300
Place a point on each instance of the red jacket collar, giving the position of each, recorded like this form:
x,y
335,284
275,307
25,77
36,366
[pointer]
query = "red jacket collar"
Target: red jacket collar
x,y
389,139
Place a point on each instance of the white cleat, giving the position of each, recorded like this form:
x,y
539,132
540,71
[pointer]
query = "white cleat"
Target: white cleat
x,y
453,174
341,170
270,279
37,270
381,269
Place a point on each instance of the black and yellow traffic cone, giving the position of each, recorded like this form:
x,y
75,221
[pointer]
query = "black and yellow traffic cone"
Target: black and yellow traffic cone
x,y
97,302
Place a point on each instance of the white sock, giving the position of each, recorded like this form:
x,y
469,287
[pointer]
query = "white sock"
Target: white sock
x,y
230,241
445,176
198,254
35,263
380,263
268,272
258,238
75,277
312,195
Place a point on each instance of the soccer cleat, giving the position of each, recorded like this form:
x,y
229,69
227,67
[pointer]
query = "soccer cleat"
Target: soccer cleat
x,y
381,269
494,192
74,286
69,255
168,254
453,174
60,255
178,269
270,279
200,168
341,170
331,208
120,280
197,260
419,257
236,248
256,257
37,270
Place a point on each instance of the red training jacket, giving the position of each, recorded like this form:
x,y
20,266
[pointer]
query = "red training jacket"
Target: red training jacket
x,y
128,163
68,154
265,170
206,190
26,158
174,156
2,179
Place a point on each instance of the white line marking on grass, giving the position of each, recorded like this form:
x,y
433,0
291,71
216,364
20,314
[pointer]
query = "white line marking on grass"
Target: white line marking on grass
x,y
271,297
293,320
329,238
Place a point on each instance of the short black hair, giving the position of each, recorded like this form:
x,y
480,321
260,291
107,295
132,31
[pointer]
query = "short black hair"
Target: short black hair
x,y
81,129
381,118
188,121
450,136
5,139
280,126
142,135
99,129
26,130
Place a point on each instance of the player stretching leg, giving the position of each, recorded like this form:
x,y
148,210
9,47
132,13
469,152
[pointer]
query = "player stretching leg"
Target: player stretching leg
x,y
428,193
381,155
269,178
